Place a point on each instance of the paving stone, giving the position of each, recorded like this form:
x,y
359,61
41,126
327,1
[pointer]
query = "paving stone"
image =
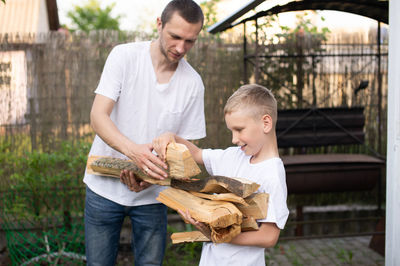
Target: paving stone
x,y
326,251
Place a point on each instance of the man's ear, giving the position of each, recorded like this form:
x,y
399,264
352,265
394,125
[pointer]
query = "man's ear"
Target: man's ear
x,y
267,123
159,24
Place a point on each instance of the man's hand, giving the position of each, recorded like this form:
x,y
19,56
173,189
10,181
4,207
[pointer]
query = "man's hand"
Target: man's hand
x,y
133,183
142,156
160,144
202,227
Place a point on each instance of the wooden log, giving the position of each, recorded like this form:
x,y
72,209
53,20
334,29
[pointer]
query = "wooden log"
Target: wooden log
x,y
108,166
230,197
217,214
180,162
218,184
249,224
257,206
192,236
221,235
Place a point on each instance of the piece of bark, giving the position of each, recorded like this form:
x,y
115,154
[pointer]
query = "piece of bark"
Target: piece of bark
x,y
230,197
217,214
181,164
192,236
257,206
249,224
218,184
108,166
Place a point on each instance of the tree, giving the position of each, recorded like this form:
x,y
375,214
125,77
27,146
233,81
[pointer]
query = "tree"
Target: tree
x,y
90,16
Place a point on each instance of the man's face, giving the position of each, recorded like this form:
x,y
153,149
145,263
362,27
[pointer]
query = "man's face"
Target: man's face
x,y
177,37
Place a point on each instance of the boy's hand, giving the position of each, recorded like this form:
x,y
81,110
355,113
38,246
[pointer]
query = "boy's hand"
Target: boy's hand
x,y
160,144
130,179
202,227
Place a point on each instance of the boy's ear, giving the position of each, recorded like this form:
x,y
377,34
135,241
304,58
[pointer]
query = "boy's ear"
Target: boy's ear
x,y
267,123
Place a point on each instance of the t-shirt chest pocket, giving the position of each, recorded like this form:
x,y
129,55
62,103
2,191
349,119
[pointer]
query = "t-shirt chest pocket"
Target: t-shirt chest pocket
x,y
170,120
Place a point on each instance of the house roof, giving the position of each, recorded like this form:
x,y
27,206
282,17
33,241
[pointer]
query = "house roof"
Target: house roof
x,y
28,16
375,9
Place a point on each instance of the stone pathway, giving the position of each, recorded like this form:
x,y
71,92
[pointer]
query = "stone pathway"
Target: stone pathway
x,y
324,251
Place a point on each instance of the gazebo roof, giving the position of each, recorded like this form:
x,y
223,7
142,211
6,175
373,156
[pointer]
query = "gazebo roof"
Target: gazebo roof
x,y
374,9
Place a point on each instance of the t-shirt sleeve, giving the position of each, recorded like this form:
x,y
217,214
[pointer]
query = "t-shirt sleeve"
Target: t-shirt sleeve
x,y
193,124
112,75
277,208
211,159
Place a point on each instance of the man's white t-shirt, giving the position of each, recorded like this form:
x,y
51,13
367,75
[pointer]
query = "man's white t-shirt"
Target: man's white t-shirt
x,y
270,175
143,110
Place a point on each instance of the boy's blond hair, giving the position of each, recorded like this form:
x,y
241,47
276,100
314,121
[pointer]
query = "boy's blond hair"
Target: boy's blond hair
x,y
257,99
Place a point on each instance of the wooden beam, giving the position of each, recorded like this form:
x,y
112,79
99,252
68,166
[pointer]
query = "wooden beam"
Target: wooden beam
x,y
218,184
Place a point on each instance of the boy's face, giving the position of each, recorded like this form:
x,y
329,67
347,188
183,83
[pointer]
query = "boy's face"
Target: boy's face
x,y
247,132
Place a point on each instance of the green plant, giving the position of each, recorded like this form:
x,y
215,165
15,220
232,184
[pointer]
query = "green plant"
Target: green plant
x,y
182,254
90,16
345,256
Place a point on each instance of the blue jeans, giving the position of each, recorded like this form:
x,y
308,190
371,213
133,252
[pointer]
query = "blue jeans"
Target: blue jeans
x,y
103,223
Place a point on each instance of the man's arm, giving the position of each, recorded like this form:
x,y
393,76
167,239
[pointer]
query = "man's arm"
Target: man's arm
x,y
105,128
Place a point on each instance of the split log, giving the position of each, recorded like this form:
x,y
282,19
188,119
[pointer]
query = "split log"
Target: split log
x,y
230,197
257,206
108,166
249,224
218,184
225,235
192,236
180,161
217,214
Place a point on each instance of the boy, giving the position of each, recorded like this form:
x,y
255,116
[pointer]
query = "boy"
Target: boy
x,y
251,114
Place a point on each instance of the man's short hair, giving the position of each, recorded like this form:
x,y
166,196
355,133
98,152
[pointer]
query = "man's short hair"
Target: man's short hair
x,y
256,99
187,9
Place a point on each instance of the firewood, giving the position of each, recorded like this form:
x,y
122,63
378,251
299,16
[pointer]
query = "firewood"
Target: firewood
x,y
180,162
218,184
108,166
257,206
249,224
226,234
217,214
223,197
192,236
222,235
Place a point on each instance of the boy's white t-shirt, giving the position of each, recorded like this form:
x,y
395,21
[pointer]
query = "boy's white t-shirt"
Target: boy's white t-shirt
x,y
270,175
143,110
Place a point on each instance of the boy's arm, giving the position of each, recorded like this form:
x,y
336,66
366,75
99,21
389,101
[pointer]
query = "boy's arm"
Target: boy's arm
x,y
266,236
160,146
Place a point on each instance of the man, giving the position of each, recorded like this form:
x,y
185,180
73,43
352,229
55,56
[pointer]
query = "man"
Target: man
x,y
146,89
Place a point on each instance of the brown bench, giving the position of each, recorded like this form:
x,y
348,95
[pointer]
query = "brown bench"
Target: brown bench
x,y
314,128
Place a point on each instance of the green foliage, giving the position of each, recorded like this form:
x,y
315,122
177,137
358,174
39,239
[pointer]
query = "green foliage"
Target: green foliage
x,y
42,184
90,16
345,256
4,1
287,76
210,13
185,254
